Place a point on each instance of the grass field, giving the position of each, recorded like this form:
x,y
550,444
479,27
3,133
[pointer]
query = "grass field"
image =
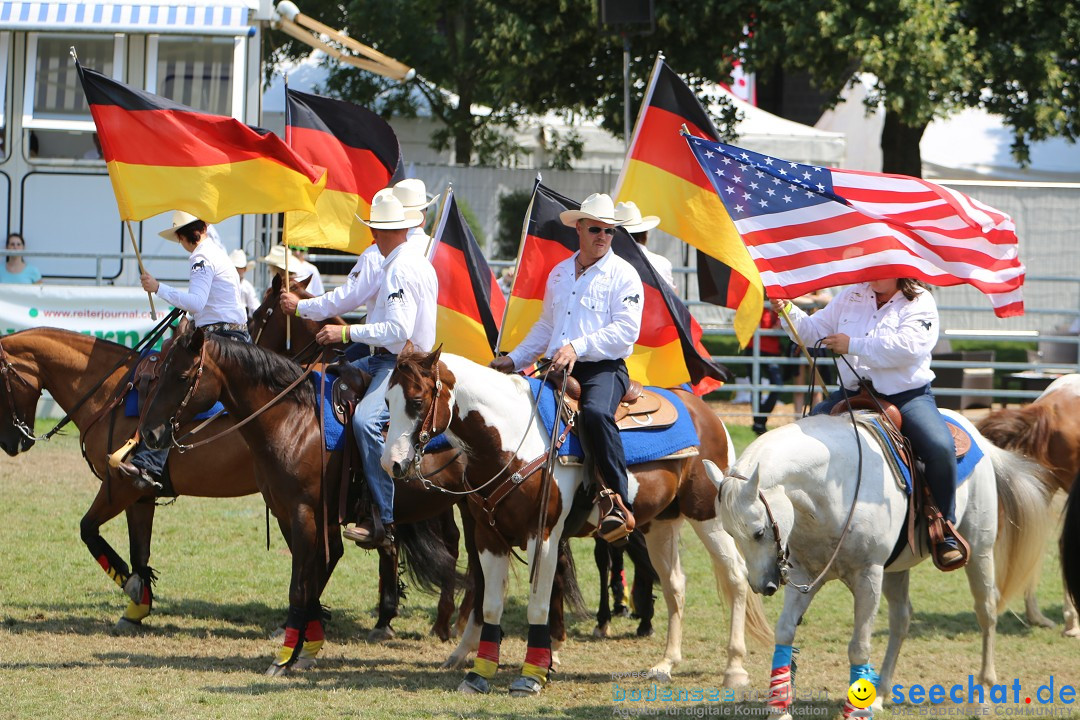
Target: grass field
x,y
221,593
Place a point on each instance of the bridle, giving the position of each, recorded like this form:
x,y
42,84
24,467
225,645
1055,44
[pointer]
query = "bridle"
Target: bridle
x,y
7,370
192,389
782,551
427,427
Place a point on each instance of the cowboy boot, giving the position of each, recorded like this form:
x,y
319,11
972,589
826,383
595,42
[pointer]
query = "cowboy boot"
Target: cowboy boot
x,y
617,522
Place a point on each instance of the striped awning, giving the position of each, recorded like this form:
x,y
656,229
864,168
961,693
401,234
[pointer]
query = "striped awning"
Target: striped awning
x,y
193,17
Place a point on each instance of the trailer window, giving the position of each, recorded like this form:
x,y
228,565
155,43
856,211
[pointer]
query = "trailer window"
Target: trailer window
x,y
194,71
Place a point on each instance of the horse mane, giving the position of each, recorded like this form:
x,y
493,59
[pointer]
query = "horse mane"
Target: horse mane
x,y
263,367
1025,430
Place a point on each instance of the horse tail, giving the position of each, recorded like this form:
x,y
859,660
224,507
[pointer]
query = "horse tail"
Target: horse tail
x,y
567,571
756,622
1023,527
1070,543
427,560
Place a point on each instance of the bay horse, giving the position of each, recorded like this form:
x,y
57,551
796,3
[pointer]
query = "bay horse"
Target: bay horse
x,y
201,370
791,491
1047,431
68,364
490,417
267,329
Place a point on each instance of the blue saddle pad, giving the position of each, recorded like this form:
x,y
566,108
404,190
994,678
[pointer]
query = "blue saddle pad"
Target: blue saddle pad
x,y
131,406
334,433
964,465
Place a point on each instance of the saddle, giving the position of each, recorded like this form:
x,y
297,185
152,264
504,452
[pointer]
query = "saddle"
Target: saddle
x,y
920,500
349,387
638,407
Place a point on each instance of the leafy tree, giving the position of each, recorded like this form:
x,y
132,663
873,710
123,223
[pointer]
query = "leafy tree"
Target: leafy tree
x,y
932,58
517,59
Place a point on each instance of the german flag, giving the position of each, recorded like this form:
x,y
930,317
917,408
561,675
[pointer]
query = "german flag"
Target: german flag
x,y
662,176
668,352
470,301
163,156
361,155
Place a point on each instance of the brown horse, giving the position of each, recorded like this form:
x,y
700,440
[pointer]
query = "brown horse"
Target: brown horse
x,y
68,365
490,416
267,326
289,467
1047,431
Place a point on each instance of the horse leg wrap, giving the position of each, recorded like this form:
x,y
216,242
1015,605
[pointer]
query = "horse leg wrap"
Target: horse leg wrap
x,y
538,655
109,561
487,656
782,682
313,634
860,672
294,637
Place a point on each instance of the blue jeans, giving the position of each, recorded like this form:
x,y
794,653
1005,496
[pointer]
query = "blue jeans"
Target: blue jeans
x,y
368,422
603,384
930,438
776,379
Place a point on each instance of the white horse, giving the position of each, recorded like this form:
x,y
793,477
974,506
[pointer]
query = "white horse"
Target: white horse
x,y
490,417
806,472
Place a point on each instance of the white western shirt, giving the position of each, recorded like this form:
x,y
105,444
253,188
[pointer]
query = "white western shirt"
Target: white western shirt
x,y
599,313
405,304
248,296
213,293
662,265
890,346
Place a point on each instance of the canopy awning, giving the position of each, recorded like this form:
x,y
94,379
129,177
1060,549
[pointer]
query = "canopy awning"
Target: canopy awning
x,y
193,17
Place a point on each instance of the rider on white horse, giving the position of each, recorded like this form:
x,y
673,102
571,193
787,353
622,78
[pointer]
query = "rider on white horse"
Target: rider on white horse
x,y
888,329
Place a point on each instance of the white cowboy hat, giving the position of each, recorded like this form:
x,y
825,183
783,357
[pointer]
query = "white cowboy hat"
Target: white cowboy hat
x,y
598,207
276,258
628,214
240,260
413,194
387,213
179,220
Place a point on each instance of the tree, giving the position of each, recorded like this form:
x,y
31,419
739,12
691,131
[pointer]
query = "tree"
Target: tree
x,y
516,59
931,58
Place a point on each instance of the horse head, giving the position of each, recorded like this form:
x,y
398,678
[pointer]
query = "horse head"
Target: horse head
x,y
757,520
420,395
18,406
188,385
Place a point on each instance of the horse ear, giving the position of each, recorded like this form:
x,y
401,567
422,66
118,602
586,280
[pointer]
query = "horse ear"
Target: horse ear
x,y
195,342
431,360
715,474
409,348
753,485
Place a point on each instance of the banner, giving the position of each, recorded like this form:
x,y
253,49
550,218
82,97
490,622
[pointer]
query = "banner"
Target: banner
x,y
118,314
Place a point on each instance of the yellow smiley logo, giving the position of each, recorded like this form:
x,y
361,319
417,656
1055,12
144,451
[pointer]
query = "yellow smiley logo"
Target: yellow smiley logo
x,y
861,694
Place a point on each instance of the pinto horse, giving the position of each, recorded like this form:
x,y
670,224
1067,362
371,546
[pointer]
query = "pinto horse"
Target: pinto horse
x,y
1047,431
490,417
817,491
68,364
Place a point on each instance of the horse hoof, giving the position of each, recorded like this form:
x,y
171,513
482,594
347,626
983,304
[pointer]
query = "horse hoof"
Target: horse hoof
x,y
304,663
1073,632
525,687
454,662
645,631
602,631
126,627
441,631
736,678
659,675
378,635
276,670
555,661
474,684
1041,621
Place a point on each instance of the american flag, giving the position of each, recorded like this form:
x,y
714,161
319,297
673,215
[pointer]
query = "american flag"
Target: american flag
x,y
810,227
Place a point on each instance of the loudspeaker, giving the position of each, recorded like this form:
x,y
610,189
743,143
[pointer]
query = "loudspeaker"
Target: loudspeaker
x,y
626,12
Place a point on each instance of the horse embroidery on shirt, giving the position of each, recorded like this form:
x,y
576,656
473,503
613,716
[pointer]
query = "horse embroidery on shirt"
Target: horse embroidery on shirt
x,y
398,296
636,298
925,324
199,266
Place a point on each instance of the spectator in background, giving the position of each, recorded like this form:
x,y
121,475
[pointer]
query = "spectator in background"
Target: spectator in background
x,y
629,215
16,270
298,273
248,297
769,347
315,287
506,280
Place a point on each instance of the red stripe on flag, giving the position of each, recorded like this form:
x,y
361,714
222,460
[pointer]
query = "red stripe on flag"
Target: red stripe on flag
x,y
455,285
540,256
348,169
659,144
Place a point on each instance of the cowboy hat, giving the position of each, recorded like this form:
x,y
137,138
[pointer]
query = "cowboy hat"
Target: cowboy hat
x,y
628,214
413,194
597,206
240,260
387,213
276,258
179,220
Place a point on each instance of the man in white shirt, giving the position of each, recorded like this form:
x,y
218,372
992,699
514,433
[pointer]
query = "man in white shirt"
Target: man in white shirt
x,y
588,326
213,302
630,219
308,269
403,310
248,296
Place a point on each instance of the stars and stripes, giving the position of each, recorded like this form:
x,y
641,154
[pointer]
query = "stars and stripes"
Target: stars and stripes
x,y
809,227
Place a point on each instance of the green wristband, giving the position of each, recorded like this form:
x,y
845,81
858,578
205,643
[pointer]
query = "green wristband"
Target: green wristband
x,y
345,334
297,313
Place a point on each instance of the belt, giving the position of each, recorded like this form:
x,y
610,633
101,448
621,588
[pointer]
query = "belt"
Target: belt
x,y
381,351
238,327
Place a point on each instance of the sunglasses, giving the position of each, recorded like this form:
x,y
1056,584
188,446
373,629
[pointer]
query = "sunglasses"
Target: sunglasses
x,y
594,230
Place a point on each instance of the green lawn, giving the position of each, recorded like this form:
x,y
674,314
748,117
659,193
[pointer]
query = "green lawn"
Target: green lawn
x,y
221,592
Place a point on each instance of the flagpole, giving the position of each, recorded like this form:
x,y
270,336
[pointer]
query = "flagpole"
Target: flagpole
x,y
284,244
142,268
517,262
806,353
440,224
